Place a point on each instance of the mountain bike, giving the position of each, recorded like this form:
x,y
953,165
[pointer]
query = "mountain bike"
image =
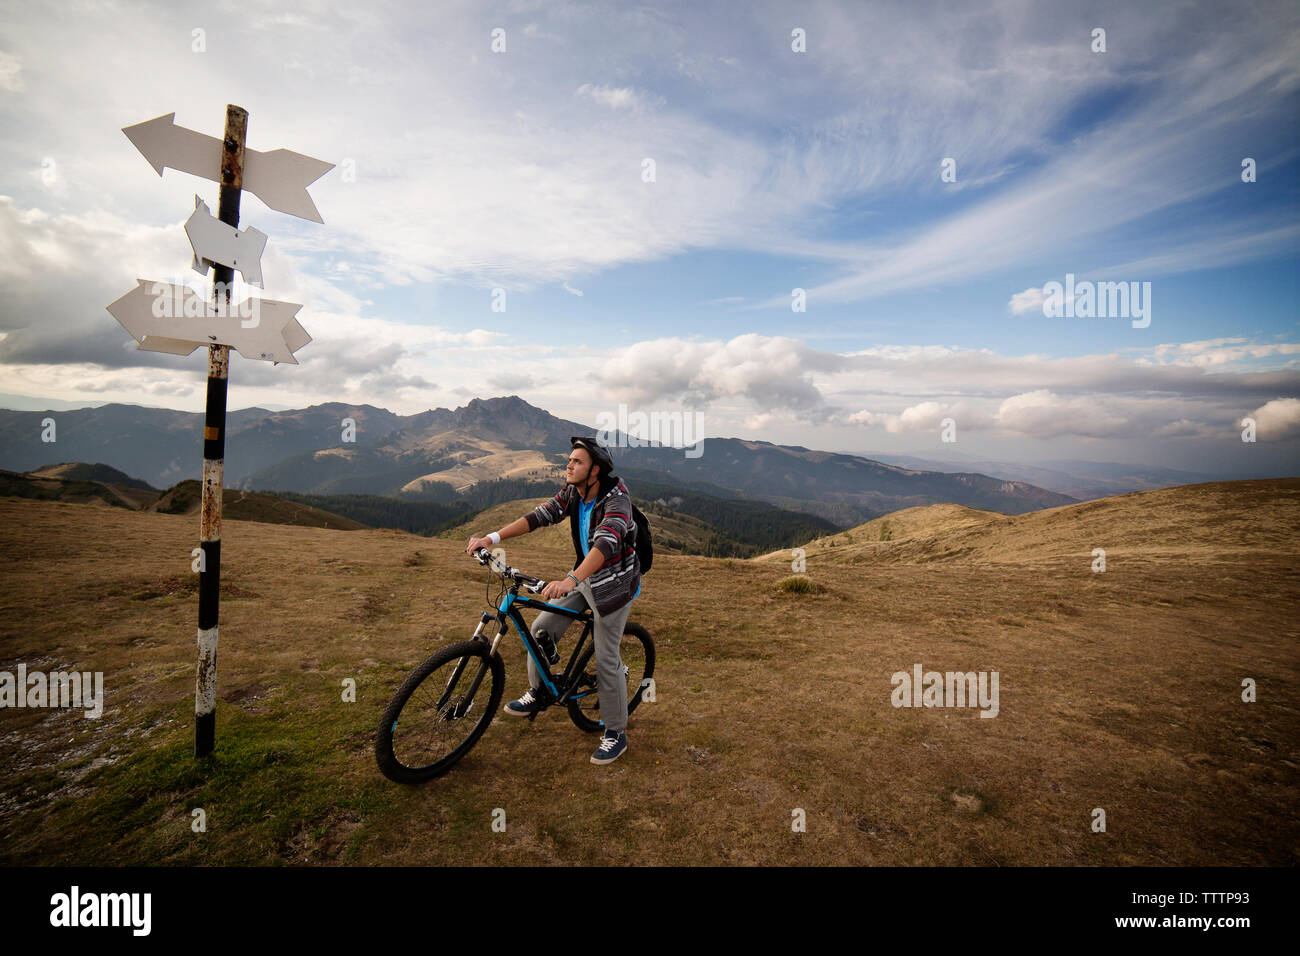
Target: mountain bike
x,y
445,704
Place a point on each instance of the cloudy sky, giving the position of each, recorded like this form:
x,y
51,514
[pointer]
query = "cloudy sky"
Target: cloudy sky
x,y
645,187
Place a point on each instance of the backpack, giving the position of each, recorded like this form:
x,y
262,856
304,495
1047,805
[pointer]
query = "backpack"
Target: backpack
x,y
645,552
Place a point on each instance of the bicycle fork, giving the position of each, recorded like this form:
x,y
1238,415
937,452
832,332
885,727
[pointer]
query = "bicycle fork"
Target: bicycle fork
x,y
495,640
467,700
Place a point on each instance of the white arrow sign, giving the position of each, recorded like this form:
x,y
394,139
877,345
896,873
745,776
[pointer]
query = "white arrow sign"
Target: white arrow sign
x,y
213,241
164,317
279,177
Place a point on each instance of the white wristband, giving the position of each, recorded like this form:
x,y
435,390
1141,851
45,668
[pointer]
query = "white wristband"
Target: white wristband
x,y
494,538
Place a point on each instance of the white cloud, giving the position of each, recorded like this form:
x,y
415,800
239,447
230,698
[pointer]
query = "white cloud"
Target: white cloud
x,y
1184,428
771,373
77,349
945,370
1031,300
1278,420
925,417
1042,414
11,68
617,98
1215,352
1095,396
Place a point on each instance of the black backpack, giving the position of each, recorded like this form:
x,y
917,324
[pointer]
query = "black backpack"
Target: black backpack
x,y
645,552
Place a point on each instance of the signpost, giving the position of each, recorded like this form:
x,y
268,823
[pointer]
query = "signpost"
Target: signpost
x,y
163,317
256,328
279,178
240,250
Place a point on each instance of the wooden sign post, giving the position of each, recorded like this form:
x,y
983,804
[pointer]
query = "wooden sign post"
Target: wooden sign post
x,y
168,318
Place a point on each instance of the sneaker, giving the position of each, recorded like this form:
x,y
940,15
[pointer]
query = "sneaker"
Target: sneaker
x,y
612,746
528,704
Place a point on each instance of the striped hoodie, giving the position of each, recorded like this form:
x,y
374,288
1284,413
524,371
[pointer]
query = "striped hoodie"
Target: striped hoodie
x,y
613,532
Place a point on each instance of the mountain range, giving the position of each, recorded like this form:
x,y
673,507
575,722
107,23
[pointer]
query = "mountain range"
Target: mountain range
x,y
1075,477
441,454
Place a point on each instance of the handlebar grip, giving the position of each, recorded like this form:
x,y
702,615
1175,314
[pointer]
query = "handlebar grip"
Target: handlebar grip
x,y
484,556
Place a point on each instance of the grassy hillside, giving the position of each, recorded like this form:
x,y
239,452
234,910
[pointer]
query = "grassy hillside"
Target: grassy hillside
x,y
493,519
1119,690
73,491
81,471
381,511
736,526
1197,522
186,499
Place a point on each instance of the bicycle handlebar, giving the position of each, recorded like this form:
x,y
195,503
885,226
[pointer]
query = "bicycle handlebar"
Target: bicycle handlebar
x,y
486,557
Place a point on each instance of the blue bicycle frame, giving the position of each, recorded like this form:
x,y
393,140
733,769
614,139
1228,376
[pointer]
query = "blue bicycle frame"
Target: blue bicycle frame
x,y
508,610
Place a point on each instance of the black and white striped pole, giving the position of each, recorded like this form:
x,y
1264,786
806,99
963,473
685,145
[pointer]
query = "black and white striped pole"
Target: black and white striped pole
x,y
214,447
164,317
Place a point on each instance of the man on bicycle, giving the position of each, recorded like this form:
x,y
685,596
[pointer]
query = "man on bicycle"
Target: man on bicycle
x,y
606,576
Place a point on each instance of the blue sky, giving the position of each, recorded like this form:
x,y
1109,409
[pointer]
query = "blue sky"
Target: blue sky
x,y
463,170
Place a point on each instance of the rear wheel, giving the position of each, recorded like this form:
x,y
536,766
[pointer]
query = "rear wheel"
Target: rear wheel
x,y
637,651
439,713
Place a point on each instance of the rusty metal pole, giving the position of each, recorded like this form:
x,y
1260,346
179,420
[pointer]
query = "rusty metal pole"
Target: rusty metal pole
x,y
214,447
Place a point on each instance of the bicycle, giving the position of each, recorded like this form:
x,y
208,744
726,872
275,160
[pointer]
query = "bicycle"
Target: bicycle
x,y
437,713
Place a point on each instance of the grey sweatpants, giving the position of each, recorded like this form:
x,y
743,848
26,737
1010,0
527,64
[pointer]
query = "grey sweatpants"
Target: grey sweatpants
x,y
611,683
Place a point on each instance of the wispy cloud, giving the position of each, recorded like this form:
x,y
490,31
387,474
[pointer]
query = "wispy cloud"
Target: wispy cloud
x,y
467,170
1160,153
1031,300
615,97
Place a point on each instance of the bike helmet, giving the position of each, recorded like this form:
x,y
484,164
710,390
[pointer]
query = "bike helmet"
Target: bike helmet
x,y
599,454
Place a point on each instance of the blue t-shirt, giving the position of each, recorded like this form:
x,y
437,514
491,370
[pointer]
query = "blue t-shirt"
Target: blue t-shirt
x,y
584,524
584,532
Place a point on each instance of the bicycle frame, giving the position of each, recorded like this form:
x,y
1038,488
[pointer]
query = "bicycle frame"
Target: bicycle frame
x,y
559,689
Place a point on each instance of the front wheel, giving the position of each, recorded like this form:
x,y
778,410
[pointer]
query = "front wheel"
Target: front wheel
x,y
637,652
439,713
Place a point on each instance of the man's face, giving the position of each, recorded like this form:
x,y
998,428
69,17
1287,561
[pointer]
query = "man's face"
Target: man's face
x,y
578,470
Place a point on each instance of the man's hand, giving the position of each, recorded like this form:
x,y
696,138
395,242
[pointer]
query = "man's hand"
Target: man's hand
x,y
558,589
476,543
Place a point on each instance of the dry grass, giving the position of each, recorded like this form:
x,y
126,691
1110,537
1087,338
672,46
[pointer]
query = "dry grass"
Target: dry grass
x,y
1118,690
495,460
